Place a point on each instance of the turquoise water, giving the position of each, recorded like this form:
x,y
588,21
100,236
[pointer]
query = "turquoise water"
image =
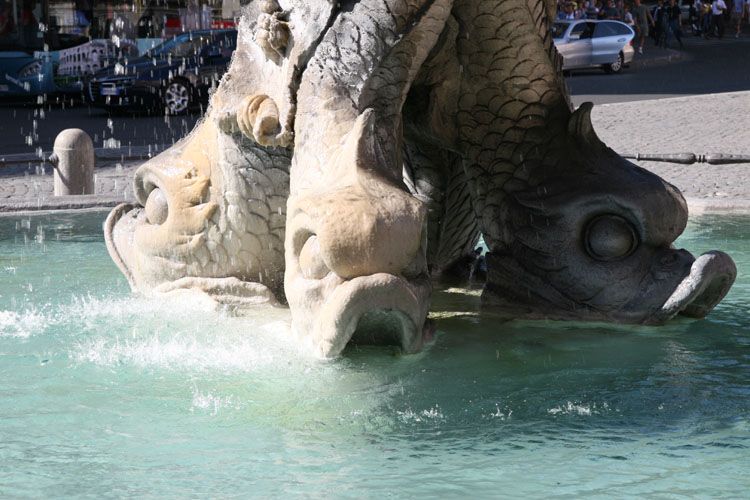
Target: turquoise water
x,y
104,394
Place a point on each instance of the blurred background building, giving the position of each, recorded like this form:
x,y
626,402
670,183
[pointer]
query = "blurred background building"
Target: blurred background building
x,y
47,45
30,24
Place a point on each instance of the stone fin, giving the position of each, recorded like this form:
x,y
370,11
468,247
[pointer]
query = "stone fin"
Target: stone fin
x,y
362,149
580,128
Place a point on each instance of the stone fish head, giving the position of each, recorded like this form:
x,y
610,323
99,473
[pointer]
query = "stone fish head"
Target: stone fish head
x,y
206,218
596,243
355,254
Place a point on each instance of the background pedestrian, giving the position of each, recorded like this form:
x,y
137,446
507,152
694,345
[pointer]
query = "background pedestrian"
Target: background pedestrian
x,y
643,20
674,20
738,12
718,8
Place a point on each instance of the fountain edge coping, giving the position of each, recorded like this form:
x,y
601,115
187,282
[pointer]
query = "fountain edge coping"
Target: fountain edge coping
x,y
72,203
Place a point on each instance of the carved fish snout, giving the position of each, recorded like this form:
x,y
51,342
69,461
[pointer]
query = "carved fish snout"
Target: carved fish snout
x,y
355,261
360,234
356,252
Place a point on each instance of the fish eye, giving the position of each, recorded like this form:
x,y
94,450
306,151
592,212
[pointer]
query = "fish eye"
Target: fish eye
x,y
157,207
610,237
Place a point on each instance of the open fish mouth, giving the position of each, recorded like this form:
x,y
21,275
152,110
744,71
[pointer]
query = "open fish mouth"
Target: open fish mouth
x,y
119,236
113,245
375,309
710,278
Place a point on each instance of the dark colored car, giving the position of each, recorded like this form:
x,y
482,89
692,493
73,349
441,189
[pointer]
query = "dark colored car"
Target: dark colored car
x,y
173,76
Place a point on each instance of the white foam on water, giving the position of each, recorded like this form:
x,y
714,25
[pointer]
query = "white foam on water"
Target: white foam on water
x,y
582,409
180,333
267,366
411,416
181,351
136,306
248,366
23,324
213,404
87,312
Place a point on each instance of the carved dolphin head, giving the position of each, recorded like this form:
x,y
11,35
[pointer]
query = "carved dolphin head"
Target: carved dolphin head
x,y
355,254
206,218
210,212
596,242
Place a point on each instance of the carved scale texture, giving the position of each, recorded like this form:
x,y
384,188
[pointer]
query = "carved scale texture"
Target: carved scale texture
x,y
503,121
437,178
367,59
255,215
513,108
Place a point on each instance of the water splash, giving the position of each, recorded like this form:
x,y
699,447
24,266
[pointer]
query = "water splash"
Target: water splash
x,y
213,404
177,350
180,333
430,414
582,409
23,324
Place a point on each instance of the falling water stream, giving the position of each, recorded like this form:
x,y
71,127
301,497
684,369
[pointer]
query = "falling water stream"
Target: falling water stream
x,y
103,393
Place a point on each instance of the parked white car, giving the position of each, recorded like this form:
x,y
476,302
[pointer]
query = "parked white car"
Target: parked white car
x,y
584,43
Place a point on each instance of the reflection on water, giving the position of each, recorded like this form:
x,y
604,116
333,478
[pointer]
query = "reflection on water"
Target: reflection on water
x,y
104,393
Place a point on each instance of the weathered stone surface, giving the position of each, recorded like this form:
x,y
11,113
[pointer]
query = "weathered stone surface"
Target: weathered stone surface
x,y
355,150
73,161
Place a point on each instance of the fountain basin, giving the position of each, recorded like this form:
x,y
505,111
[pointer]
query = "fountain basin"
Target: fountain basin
x,y
108,394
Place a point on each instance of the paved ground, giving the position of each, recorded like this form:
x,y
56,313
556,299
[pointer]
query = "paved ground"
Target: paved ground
x,y
703,67
24,191
714,123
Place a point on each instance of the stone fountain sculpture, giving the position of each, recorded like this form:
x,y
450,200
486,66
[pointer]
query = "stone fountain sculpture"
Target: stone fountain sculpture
x,y
356,150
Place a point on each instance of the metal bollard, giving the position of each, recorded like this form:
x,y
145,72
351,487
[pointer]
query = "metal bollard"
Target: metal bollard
x,y
73,160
